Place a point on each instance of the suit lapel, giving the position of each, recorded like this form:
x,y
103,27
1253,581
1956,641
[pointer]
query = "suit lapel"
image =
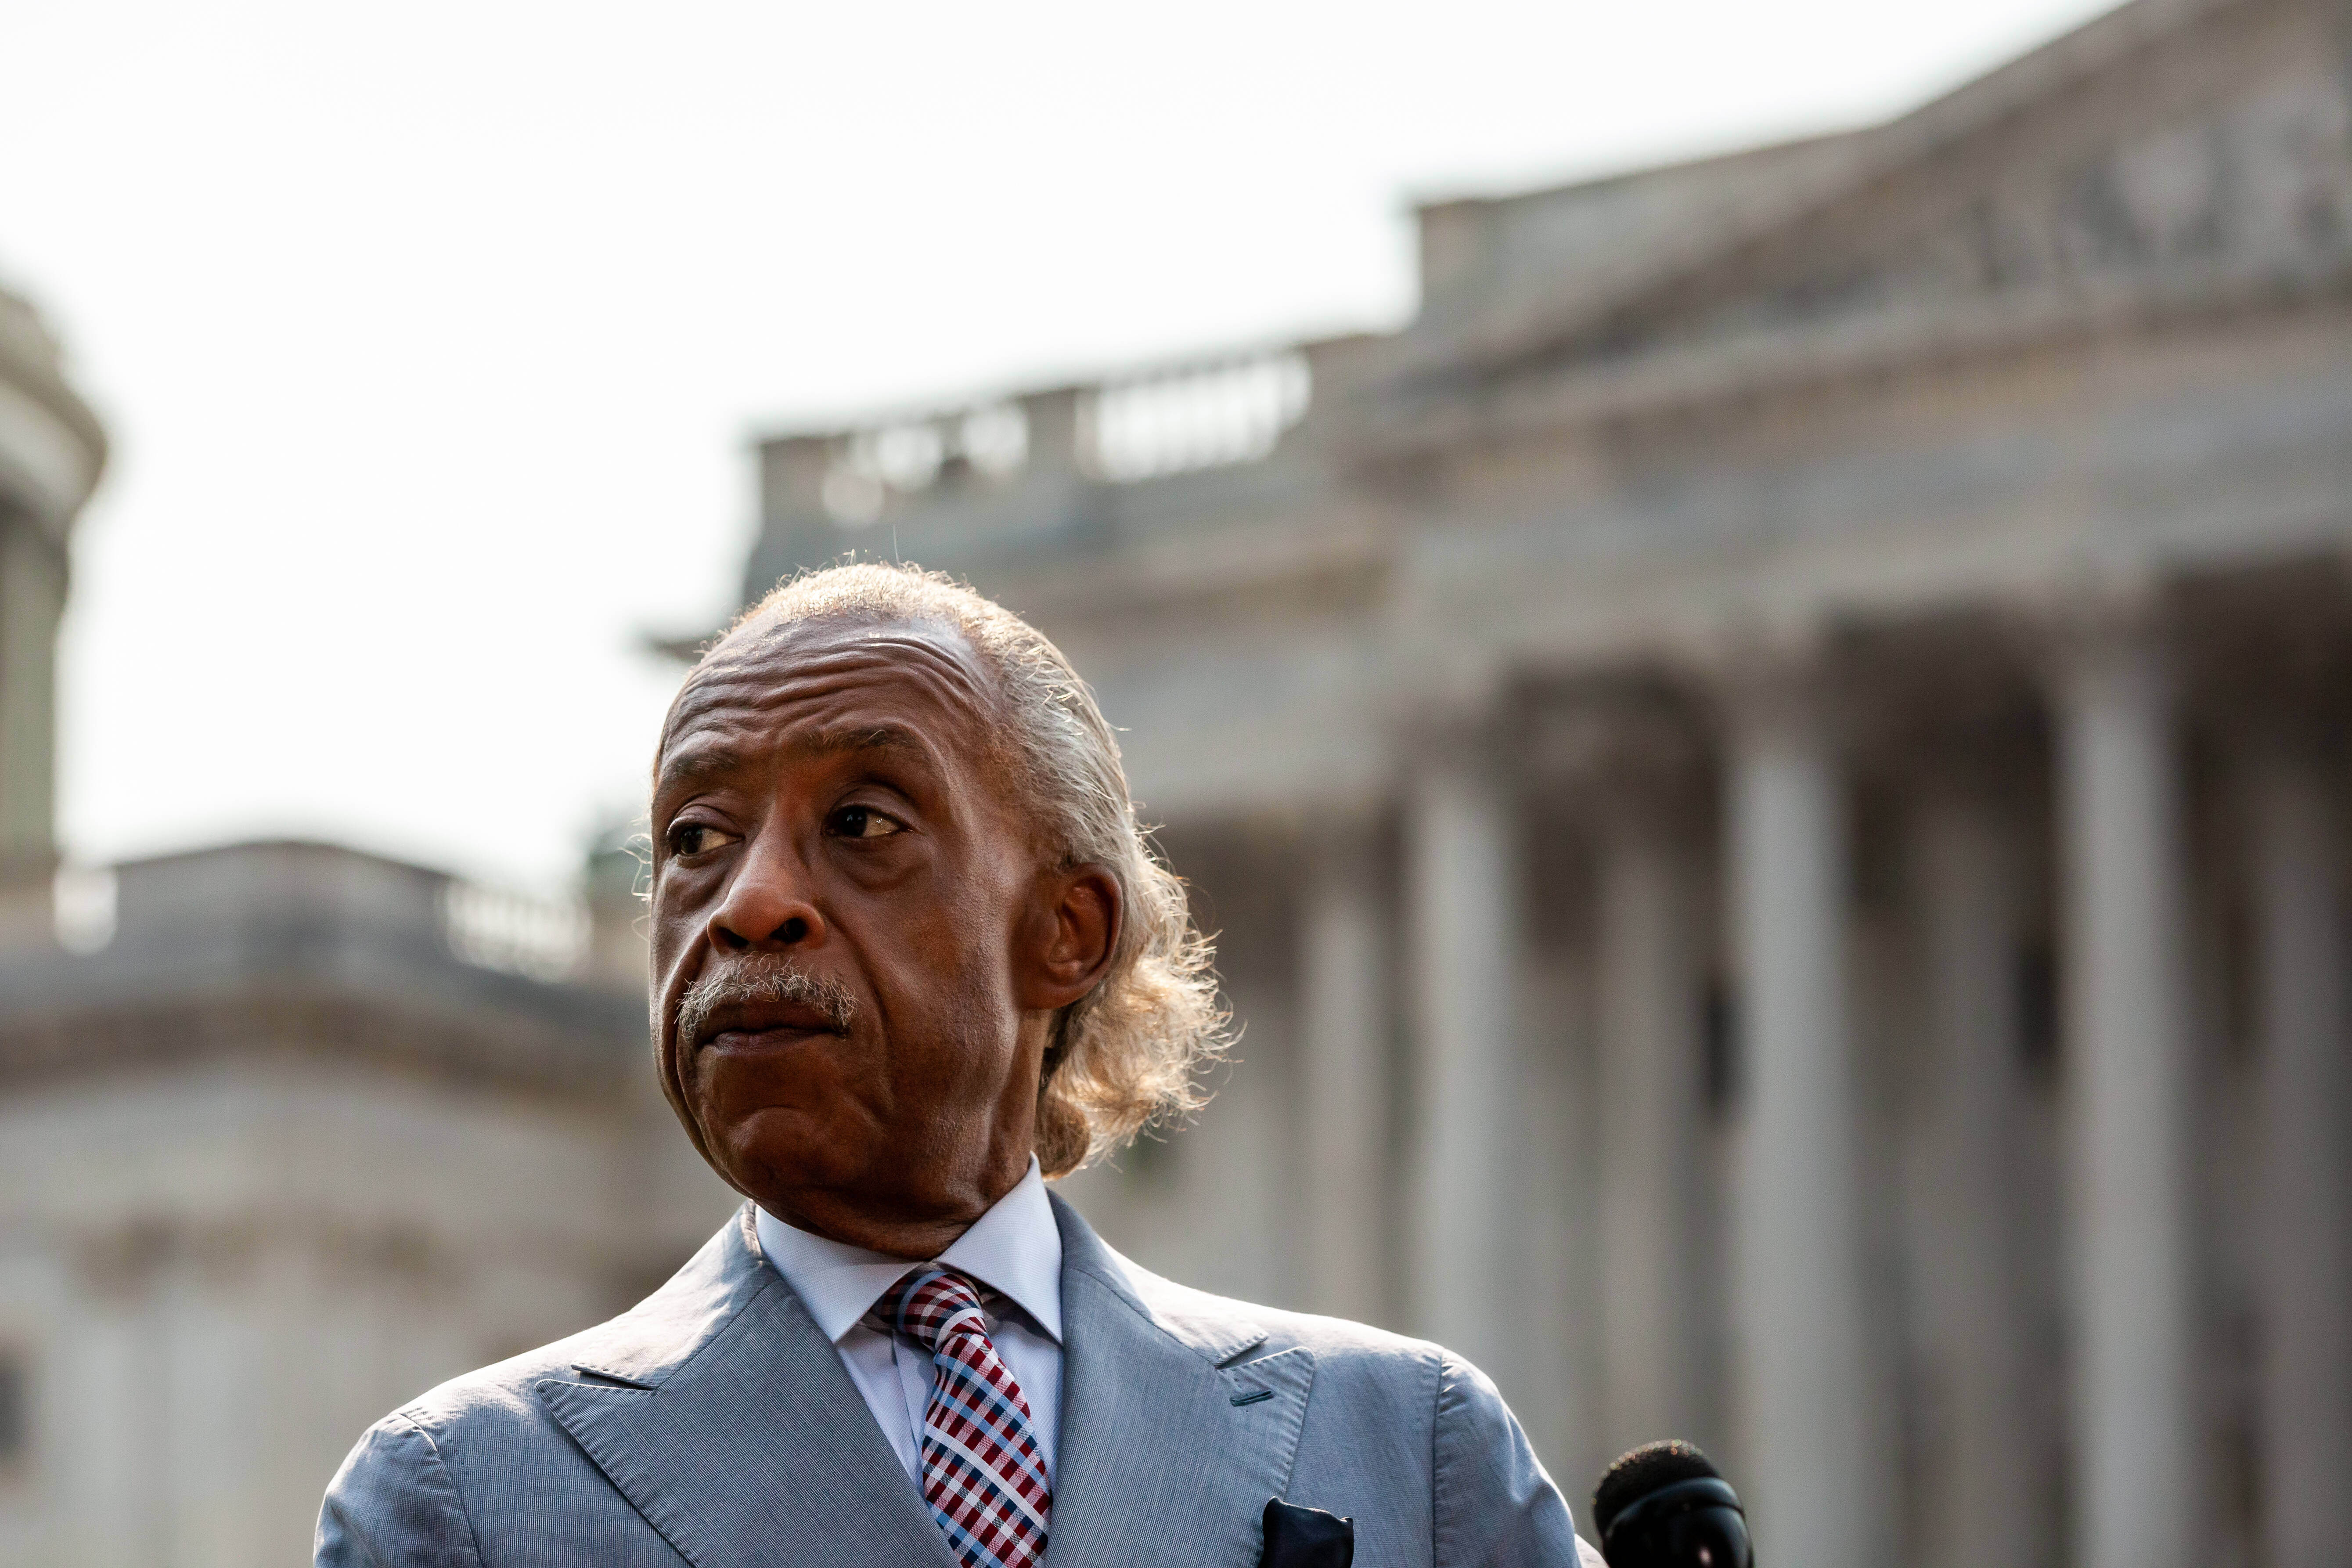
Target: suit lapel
x,y
725,1416
1170,1440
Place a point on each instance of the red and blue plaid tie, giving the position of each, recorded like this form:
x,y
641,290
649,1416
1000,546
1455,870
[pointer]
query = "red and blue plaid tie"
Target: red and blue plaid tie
x,y
983,1474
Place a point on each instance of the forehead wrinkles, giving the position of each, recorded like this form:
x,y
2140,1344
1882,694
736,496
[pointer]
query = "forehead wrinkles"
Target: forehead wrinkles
x,y
769,683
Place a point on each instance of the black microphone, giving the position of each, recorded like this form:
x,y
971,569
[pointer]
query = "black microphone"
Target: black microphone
x,y
1665,1505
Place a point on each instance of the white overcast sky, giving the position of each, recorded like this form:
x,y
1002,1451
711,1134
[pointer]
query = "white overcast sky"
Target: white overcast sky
x,y
431,336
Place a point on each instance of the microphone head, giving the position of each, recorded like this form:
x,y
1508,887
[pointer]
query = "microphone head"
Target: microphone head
x,y
1637,1474
1665,1505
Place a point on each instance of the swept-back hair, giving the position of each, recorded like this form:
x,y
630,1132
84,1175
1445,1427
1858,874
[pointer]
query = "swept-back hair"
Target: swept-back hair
x,y
1130,1051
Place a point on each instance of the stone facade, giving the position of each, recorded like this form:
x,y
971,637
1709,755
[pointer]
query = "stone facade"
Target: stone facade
x,y
1770,773
299,1140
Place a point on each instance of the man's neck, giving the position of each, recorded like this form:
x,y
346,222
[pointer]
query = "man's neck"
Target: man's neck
x,y
915,1234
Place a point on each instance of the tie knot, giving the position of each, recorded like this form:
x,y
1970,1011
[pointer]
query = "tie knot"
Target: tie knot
x,y
932,1305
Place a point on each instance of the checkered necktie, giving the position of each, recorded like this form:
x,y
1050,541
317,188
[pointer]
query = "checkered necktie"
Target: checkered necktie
x,y
983,1474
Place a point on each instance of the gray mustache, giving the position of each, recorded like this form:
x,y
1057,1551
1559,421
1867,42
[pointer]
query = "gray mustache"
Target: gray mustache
x,y
767,979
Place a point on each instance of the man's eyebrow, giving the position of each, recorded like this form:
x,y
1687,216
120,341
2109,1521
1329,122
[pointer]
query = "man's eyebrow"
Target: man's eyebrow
x,y
706,762
701,763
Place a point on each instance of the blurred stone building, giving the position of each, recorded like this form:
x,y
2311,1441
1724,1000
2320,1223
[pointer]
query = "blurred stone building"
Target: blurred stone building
x,y
1770,774
308,1134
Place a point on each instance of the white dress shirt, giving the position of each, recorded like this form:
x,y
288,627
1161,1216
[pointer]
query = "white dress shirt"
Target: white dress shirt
x,y
1015,1248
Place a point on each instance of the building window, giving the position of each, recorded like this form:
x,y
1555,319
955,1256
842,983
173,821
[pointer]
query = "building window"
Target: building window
x,y
1720,1040
16,1410
2037,1012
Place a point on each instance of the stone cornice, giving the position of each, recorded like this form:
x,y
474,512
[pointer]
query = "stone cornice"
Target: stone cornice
x,y
1913,339
574,1057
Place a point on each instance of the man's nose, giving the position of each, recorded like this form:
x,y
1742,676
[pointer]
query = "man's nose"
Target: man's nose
x,y
767,905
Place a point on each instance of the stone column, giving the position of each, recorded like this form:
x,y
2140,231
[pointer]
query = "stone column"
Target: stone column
x,y
2306,1369
2126,1008
1652,956
32,603
1463,900
1344,1080
1966,859
1805,1357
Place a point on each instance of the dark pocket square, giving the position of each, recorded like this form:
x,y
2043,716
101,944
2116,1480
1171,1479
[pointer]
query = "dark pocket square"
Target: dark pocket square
x,y
1306,1538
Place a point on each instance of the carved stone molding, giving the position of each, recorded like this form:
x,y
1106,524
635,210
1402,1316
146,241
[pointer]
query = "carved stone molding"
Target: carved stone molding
x,y
370,1033
125,1258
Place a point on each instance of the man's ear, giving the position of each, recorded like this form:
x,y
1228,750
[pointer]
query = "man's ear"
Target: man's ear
x,y
1072,929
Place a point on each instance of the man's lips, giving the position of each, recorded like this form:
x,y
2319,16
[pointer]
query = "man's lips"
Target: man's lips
x,y
737,1028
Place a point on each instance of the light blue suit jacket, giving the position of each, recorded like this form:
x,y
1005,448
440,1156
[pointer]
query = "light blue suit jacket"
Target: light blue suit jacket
x,y
715,1423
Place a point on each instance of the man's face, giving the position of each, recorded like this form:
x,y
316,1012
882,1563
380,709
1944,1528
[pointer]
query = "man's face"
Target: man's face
x,y
854,925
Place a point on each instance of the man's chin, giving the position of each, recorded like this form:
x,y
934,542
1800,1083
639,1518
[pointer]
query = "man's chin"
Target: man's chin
x,y
776,1153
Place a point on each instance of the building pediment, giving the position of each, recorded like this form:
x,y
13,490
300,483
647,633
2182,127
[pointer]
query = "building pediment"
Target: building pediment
x,y
2168,152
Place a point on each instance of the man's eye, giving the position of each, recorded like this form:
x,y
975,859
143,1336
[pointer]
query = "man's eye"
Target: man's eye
x,y
698,838
861,822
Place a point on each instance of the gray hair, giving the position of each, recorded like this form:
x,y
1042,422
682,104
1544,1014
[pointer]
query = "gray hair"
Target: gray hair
x,y
770,977
1130,1053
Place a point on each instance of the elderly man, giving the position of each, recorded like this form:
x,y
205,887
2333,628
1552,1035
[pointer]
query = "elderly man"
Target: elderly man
x,y
913,959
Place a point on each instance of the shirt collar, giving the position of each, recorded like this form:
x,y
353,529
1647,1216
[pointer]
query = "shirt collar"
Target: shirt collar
x,y
1015,1249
